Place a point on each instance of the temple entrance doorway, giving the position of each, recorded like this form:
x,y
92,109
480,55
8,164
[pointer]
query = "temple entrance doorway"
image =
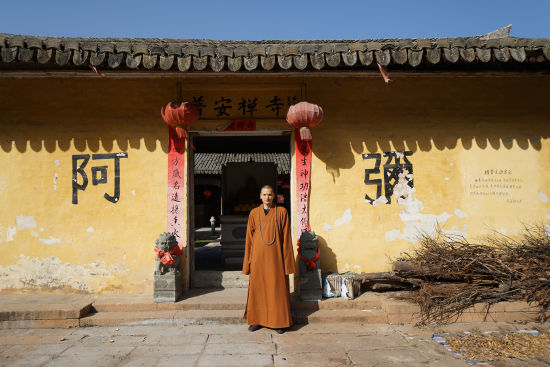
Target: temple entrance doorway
x,y
227,174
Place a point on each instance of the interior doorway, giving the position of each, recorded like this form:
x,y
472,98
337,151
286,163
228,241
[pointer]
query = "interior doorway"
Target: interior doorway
x,y
228,172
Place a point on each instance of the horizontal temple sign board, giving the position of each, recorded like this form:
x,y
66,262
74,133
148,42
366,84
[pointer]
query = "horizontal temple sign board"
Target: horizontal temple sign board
x,y
252,101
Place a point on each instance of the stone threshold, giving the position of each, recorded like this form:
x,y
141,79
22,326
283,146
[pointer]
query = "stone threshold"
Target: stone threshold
x,y
220,306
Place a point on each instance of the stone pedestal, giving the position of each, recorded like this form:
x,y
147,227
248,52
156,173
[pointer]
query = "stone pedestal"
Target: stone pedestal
x,y
168,287
311,285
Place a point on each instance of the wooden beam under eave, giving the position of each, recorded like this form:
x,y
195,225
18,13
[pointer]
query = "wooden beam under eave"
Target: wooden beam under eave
x,y
248,75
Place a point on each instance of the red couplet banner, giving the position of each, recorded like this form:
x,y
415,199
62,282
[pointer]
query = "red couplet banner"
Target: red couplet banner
x,y
303,180
176,193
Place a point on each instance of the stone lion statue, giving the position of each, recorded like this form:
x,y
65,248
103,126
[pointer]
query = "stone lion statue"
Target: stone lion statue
x,y
308,251
168,258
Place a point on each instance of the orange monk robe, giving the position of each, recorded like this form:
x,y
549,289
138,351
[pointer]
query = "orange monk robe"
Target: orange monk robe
x,y
268,266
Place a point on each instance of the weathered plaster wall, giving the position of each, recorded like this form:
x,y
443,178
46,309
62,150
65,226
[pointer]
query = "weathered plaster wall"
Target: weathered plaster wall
x,y
47,242
456,128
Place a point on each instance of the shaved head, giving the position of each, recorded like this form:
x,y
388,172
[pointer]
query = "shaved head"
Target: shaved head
x,y
266,187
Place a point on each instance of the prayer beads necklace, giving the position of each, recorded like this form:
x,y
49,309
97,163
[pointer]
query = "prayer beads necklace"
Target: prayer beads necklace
x,y
260,225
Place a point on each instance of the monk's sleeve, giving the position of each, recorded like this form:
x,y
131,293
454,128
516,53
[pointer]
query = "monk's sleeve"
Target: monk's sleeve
x,y
288,253
250,227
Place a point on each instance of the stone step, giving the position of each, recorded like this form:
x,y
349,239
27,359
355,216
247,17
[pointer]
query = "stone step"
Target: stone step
x,y
224,306
200,317
195,299
367,316
218,279
175,317
223,299
44,307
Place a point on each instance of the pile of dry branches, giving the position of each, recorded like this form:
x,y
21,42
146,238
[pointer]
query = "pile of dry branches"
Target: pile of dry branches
x,y
451,274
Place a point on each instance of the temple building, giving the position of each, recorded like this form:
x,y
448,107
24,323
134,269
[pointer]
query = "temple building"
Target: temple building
x,y
417,135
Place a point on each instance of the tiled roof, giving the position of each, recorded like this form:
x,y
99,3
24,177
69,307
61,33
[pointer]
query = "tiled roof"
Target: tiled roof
x,y
208,55
211,163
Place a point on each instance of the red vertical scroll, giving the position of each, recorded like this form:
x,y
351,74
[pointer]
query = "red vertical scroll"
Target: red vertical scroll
x,y
176,193
303,182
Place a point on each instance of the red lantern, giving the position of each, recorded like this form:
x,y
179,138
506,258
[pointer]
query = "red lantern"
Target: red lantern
x,y
304,115
180,115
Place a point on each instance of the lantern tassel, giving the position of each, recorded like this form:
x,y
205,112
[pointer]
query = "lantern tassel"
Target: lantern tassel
x,y
305,134
182,134
384,73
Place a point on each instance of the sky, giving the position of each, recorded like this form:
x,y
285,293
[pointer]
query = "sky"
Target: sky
x,y
274,20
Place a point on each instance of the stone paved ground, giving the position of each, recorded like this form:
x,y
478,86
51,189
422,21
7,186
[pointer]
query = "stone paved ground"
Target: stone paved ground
x,y
337,344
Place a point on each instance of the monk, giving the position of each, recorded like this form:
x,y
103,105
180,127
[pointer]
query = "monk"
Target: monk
x,y
268,260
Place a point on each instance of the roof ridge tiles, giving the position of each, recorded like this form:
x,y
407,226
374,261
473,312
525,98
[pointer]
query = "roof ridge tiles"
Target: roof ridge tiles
x,y
196,54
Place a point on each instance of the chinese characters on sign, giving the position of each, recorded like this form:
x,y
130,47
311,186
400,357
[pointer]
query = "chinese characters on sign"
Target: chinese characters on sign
x,y
243,107
99,174
395,164
499,184
303,180
176,193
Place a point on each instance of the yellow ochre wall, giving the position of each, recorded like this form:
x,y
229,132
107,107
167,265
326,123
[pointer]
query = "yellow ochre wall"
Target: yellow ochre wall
x,y
456,126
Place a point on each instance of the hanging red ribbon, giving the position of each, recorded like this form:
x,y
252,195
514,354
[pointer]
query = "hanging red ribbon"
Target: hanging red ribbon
x,y
167,256
303,182
384,73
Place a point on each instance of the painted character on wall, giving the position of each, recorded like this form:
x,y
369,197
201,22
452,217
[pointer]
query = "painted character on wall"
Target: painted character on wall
x,y
99,174
393,167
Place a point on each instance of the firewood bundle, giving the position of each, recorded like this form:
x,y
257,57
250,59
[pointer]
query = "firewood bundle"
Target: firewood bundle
x,y
450,274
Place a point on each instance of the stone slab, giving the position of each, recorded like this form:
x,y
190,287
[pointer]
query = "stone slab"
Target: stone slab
x,y
39,324
341,315
220,316
241,348
90,356
327,344
44,306
235,360
307,359
117,318
243,337
220,279
208,298
161,361
160,350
